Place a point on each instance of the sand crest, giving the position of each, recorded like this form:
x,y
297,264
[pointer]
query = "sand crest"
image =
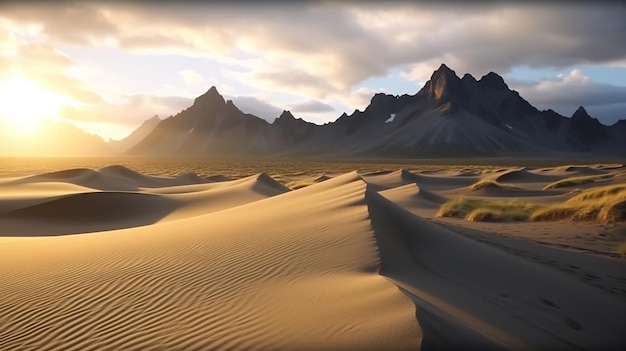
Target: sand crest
x,y
115,259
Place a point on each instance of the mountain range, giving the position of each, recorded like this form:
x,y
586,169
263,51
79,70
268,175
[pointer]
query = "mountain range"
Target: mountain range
x,y
448,117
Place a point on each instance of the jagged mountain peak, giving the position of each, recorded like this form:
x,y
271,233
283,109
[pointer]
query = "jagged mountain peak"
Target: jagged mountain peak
x,y
493,81
444,69
468,77
444,74
581,113
286,114
449,116
286,117
442,84
212,96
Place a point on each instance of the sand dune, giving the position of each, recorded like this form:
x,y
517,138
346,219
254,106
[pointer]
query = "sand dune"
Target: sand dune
x,y
493,298
286,272
343,262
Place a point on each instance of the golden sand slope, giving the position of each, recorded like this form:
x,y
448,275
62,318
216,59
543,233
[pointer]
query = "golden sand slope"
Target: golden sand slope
x,y
113,259
296,271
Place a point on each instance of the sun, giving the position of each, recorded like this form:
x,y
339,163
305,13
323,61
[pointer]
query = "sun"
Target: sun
x,y
24,103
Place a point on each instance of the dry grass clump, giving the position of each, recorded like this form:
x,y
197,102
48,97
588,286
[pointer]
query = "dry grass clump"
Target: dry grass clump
x,y
573,181
481,210
492,184
621,249
606,204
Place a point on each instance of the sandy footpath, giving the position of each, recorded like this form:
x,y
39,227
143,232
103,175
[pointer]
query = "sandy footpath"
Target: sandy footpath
x,y
112,259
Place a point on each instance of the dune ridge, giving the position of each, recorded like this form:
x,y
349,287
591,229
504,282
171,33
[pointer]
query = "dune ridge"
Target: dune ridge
x,y
350,261
216,281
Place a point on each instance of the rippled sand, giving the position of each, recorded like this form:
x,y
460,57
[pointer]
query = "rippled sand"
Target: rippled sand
x,y
107,257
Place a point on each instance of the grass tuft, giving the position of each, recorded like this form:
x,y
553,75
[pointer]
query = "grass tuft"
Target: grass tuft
x,y
606,204
481,210
492,184
621,249
573,181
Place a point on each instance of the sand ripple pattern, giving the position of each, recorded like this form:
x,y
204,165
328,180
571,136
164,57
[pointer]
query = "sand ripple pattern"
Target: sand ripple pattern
x,y
294,271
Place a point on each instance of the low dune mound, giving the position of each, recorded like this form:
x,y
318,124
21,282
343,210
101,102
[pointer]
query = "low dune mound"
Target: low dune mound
x,y
123,172
412,196
386,180
322,177
438,182
87,212
490,184
66,175
376,173
139,180
295,183
90,178
267,185
193,178
523,175
79,176
111,178
609,166
570,170
582,180
219,178
91,207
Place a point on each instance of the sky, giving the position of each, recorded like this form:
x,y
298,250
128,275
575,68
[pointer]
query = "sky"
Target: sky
x,y
108,66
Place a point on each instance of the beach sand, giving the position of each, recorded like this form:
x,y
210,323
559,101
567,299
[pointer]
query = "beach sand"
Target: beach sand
x,y
112,259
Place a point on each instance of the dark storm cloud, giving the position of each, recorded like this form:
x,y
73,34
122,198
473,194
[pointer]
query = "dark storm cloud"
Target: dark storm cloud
x,y
565,93
342,44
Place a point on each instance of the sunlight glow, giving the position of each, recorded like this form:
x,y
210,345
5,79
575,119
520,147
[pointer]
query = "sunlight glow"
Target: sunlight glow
x,y
24,103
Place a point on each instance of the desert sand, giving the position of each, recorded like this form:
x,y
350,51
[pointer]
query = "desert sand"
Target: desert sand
x,y
112,259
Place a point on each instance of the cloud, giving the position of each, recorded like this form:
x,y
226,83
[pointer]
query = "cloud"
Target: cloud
x,y
360,98
191,77
332,47
129,113
257,107
319,50
565,93
310,106
77,23
42,63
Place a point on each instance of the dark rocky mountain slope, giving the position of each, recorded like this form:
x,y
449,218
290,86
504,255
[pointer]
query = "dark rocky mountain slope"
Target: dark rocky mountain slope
x,y
448,117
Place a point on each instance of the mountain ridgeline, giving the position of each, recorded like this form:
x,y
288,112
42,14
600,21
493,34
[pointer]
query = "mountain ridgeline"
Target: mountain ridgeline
x,y
448,117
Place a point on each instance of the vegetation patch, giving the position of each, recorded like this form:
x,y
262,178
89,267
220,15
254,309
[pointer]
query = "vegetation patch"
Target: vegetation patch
x,y
621,249
573,181
482,210
606,204
493,184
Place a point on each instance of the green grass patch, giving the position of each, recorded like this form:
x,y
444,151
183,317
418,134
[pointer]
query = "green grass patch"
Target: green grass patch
x,y
492,184
573,181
